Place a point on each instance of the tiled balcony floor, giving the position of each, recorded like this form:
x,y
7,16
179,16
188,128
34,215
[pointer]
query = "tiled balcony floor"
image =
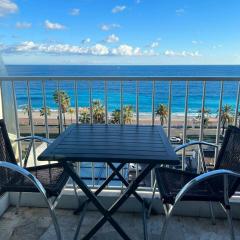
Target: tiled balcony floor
x,y
35,223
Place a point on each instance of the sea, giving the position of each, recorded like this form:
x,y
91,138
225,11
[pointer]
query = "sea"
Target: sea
x,y
129,88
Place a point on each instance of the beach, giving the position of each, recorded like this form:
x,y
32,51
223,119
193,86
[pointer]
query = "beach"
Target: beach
x,y
177,123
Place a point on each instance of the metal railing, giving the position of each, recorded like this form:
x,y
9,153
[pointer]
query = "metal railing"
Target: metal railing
x,y
168,82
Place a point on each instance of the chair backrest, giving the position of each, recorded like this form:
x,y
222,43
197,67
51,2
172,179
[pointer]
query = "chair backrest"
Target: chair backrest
x,y
6,151
6,155
229,156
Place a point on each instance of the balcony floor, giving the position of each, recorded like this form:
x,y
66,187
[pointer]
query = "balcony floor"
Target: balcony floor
x,y
35,223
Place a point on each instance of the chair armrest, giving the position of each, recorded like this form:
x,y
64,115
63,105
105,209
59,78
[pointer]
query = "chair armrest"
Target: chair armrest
x,y
31,139
204,177
199,143
28,138
195,143
26,174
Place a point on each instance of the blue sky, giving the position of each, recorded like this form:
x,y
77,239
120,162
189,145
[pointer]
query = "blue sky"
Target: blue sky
x,y
120,32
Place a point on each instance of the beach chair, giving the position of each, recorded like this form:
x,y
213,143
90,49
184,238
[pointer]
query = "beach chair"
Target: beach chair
x,y
217,185
49,179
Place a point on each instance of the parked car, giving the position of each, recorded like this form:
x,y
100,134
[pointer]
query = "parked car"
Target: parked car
x,y
175,140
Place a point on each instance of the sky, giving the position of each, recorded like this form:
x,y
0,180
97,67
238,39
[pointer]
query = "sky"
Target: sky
x,y
152,32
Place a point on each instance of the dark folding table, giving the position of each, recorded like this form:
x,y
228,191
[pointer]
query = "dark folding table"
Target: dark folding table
x,y
112,144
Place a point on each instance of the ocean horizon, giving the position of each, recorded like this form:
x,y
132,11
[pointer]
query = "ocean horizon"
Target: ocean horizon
x,y
129,88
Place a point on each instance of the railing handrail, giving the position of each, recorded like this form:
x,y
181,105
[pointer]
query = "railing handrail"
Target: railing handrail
x,y
121,78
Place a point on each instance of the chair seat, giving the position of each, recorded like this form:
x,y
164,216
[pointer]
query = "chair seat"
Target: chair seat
x,y
52,177
171,181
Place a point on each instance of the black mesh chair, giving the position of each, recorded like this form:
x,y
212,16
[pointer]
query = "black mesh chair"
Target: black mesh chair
x,y
48,179
213,186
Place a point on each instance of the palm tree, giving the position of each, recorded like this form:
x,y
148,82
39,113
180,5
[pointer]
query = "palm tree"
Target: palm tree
x,y
226,116
115,116
162,112
44,111
26,110
98,111
127,115
71,111
84,115
206,113
63,100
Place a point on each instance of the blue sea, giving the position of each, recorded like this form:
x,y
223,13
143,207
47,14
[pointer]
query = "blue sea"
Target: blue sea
x,y
129,88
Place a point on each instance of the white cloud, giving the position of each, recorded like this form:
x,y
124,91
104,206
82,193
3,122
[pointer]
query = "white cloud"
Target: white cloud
x,y
180,11
108,27
26,46
86,40
150,52
118,9
75,12
53,26
112,38
154,45
99,49
30,47
23,25
126,50
171,53
7,7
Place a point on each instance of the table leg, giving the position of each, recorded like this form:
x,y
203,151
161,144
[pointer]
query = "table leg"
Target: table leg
x,y
104,184
130,189
95,201
124,181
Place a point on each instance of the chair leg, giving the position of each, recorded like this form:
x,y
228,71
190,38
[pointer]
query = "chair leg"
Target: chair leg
x,y
213,219
145,228
166,222
54,219
227,210
76,195
229,218
153,195
18,202
165,225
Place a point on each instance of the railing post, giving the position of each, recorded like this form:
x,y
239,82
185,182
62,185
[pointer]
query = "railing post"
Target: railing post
x,y
202,111
219,118
169,109
185,122
45,108
31,120
106,101
59,108
153,102
137,101
90,102
237,105
121,103
76,100
17,122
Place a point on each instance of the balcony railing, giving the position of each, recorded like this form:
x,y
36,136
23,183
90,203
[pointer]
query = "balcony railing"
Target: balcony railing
x,y
189,93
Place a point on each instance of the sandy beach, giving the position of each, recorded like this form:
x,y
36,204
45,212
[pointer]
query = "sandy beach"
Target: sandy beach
x,y
177,123
177,120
